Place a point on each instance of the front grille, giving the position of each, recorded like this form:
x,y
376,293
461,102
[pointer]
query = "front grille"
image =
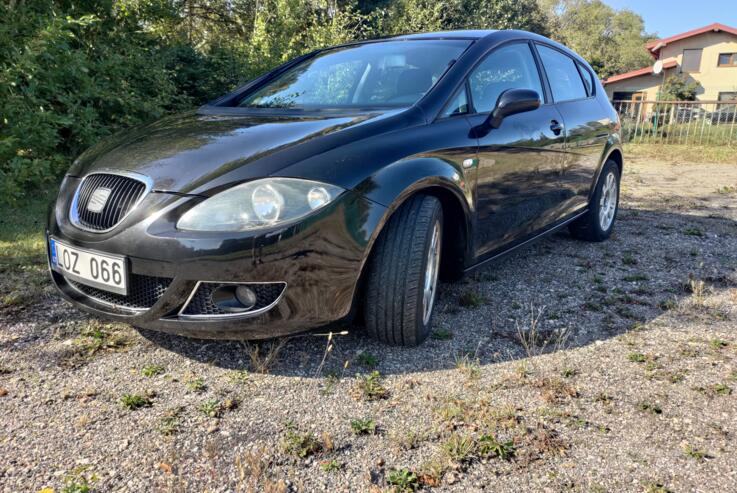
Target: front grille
x,y
143,292
201,303
124,193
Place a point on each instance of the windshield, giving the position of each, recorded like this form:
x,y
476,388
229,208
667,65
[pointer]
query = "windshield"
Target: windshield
x,y
389,73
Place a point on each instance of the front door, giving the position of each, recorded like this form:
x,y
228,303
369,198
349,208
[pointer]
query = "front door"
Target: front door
x,y
519,167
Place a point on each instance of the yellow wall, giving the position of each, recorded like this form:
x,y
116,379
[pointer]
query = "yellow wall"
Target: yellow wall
x,y
713,79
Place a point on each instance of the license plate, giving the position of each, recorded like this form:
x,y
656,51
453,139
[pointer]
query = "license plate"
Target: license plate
x,y
96,269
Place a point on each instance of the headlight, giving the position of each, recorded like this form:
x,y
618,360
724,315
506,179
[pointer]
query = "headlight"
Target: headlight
x,y
259,204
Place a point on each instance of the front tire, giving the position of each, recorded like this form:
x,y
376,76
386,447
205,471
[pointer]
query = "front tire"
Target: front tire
x,y
403,273
598,223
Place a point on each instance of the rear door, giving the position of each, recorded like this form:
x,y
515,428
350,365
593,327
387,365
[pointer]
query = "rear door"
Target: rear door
x,y
519,169
586,123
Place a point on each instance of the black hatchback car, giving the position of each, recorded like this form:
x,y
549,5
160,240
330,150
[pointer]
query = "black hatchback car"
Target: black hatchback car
x,y
339,186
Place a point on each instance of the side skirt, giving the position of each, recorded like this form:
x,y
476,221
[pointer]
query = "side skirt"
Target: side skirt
x,y
527,242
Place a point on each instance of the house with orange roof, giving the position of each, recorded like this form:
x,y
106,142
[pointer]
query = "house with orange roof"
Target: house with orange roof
x,y
707,55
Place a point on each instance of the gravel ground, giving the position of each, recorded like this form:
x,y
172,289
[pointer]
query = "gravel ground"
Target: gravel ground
x,y
565,367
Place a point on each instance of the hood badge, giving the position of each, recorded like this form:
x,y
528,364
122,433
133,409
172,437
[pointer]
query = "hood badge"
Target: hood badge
x,y
98,199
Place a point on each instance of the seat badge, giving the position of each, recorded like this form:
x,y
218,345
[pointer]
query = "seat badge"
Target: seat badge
x,y
98,199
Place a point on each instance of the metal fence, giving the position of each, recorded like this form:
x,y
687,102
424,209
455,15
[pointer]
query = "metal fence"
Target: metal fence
x,y
679,122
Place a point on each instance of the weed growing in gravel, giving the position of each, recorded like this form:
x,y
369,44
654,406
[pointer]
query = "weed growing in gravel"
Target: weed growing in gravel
x,y
404,480
404,439
195,384
441,334
469,366
363,426
169,423
569,373
299,444
721,389
331,465
367,359
370,387
264,355
458,448
211,408
695,453
668,304
152,370
489,447
650,407
718,343
239,377
76,485
628,258
637,357
471,299
656,488
693,231
134,401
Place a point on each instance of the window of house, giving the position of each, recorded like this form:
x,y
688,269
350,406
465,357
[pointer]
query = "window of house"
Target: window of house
x,y
727,60
565,80
691,61
510,67
727,96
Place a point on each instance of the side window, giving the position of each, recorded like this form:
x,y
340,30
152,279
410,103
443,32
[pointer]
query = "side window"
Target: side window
x,y
458,105
588,79
565,81
510,67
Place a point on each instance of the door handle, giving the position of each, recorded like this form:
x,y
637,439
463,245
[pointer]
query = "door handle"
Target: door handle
x,y
556,127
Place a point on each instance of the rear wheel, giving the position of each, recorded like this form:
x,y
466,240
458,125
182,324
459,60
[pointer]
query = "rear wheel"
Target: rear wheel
x,y
403,273
598,223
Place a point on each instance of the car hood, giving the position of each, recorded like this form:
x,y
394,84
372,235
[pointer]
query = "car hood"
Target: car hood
x,y
199,152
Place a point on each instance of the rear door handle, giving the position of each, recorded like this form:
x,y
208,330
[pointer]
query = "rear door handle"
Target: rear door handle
x,y
556,127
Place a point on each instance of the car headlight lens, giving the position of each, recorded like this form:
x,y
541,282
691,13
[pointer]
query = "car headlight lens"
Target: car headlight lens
x,y
259,204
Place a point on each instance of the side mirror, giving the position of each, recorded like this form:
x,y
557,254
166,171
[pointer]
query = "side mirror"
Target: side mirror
x,y
510,102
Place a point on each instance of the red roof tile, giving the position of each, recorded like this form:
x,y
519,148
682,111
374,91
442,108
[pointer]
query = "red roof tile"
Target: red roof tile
x,y
638,72
655,45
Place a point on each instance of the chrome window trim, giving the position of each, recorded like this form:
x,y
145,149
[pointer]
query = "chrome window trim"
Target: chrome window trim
x,y
248,314
74,215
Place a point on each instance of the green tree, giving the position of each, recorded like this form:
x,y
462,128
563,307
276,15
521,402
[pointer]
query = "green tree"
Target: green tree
x,y
676,88
611,41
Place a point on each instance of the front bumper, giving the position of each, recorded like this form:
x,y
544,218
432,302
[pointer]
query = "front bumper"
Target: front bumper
x,y
318,261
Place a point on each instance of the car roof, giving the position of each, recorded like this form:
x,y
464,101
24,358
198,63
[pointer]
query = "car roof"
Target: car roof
x,y
460,34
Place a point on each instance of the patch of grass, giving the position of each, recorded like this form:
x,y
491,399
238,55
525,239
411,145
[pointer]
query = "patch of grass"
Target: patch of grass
x,y
718,343
721,389
569,372
682,153
363,426
407,439
371,387
441,334
489,446
469,366
637,357
471,299
152,370
299,444
656,488
367,359
134,401
693,231
403,479
628,258
668,304
331,465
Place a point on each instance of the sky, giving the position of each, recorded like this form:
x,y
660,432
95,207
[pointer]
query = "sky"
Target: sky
x,y
668,17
